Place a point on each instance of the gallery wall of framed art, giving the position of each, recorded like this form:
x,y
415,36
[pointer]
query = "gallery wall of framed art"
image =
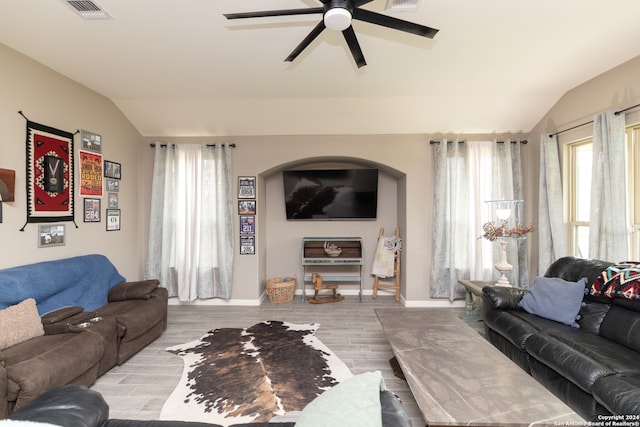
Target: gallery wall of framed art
x,y
247,214
50,171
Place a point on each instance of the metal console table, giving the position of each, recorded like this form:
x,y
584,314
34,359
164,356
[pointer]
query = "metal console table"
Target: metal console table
x,y
313,254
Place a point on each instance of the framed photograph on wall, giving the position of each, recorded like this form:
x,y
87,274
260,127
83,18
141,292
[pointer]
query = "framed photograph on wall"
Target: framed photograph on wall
x,y
112,185
91,210
246,207
246,187
247,245
113,219
247,224
112,170
91,141
51,235
113,201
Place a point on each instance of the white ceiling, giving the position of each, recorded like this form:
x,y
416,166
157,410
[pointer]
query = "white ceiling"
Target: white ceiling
x,y
179,68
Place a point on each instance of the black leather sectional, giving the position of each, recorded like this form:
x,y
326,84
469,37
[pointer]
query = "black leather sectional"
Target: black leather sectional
x,y
76,406
595,369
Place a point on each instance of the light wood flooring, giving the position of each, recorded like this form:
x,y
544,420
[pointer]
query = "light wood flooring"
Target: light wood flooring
x,y
139,388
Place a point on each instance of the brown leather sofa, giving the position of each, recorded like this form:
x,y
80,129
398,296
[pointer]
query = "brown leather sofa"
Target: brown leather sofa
x,y
79,345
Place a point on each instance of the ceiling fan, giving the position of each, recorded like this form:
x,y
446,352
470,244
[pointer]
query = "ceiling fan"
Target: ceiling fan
x,y
337,16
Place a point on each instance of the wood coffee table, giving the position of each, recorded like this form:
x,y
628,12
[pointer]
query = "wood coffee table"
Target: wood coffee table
x,y
458,378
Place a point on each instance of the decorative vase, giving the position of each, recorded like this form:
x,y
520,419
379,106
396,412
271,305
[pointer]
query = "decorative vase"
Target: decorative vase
x,y
503,266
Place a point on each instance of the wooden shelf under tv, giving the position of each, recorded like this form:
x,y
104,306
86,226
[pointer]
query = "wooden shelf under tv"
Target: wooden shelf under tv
x,y
313,254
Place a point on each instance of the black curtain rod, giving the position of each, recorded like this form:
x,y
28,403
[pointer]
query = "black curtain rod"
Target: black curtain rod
x,y
524,141
591,121
208,145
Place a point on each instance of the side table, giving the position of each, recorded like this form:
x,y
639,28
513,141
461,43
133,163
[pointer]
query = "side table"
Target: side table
x,y
473,287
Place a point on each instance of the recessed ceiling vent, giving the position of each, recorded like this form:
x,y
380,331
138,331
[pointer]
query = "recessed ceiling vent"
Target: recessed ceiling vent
x,y
87,9
402,5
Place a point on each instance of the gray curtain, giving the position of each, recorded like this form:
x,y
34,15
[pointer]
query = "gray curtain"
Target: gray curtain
x,y
451,236
497,168
191,239
508,185
608,231
552,242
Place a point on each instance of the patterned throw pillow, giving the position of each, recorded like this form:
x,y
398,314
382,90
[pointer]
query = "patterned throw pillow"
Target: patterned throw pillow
x,y
618,280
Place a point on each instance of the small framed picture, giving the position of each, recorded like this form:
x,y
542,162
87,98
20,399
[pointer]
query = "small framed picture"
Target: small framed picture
x,y
91,210
112,185
112,170
247,245
246,187
91,141
112,201
247,224
246,207
51,235
113,219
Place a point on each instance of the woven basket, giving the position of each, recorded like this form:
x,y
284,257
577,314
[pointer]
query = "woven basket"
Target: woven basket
x,y
281,289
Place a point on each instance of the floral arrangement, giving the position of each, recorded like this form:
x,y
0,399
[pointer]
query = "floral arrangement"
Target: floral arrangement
x,y
493,231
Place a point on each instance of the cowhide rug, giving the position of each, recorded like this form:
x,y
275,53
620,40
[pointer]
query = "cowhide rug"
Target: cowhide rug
x,y
242,375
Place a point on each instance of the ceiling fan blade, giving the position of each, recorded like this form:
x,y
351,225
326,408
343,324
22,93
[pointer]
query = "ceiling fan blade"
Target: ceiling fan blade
x,y
282,12
348,4
354,46
306,42
394,23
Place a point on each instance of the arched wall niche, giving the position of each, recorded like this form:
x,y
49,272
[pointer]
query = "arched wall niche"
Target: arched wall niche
x,y
280,241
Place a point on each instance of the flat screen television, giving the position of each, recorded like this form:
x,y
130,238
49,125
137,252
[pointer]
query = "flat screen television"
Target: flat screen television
x,y
331,194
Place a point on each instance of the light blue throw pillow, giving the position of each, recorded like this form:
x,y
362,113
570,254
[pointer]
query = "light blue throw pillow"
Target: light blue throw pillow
x,y
555,299
355,402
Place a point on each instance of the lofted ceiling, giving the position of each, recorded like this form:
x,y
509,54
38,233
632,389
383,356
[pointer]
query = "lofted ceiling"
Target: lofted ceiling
x,y
180,68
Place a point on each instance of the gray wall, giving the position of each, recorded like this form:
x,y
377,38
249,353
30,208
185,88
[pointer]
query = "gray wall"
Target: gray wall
x,y
51,99
405,160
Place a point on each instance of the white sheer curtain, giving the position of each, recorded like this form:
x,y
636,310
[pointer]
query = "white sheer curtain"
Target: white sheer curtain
x,y
191,240
552,242
480,185
608,215
465,176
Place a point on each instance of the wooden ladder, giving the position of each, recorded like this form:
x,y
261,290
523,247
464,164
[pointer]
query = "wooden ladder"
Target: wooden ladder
x,y
396,270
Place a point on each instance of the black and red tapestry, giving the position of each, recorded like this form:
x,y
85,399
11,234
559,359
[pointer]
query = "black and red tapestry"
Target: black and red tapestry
x,y
49,174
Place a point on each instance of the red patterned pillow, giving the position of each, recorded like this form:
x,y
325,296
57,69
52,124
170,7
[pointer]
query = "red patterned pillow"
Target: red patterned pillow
x,y
618,280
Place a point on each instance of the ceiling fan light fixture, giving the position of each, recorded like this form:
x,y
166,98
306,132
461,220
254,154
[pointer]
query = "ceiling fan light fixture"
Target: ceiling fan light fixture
x,y
337,19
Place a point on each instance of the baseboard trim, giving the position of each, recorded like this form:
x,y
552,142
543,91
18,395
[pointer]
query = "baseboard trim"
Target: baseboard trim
x,y
215,301
433,304
367,292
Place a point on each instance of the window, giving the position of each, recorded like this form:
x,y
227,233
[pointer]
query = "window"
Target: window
x,y
633,143
580,159
578,162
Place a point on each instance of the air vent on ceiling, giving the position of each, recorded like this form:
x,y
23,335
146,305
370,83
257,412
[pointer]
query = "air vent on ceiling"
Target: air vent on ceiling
x,y
402,5
87,9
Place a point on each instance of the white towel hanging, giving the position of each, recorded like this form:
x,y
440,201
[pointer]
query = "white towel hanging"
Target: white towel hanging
x,y
384,261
